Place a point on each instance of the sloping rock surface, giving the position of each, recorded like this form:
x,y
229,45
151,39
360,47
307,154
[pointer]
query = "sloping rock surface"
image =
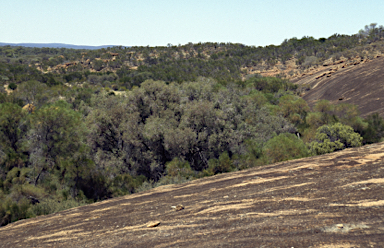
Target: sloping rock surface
x,y
334,200
360,83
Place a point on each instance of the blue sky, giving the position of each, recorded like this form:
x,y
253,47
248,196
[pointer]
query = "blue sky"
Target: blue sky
x,y
157,23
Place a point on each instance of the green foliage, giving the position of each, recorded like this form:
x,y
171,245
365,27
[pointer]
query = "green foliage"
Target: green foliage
x,y
334,137
284,147
185,62
293,108
28,191
56,135
310,61
125,184
50,206
98,65
16,204
254,149
70,77
257,98
13,130
33,92
375,129
16,176
11,211
270,84
12,86
81,96
76,170
327,114
178,167
166,180
221,165
187,114
147,185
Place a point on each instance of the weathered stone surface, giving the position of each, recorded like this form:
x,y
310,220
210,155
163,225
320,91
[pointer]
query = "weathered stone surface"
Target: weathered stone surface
x,y
361,84
153,224
179,207
299,203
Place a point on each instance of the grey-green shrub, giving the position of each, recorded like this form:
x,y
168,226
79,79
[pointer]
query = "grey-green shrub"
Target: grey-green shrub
x,y
283,147
334,137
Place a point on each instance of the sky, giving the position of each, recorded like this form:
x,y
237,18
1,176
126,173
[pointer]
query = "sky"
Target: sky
x,y
163,22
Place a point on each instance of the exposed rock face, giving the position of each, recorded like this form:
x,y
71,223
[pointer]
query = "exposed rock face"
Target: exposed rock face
x,y
359,83
333,200
29,107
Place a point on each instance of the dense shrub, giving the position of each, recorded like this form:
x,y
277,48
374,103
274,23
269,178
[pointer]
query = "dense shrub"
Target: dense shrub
x,y
50,206
285,147
12,86
221,165
334,137
375,129
178,167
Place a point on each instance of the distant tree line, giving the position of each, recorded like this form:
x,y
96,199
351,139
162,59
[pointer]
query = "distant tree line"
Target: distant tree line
x,y
76,136
221,61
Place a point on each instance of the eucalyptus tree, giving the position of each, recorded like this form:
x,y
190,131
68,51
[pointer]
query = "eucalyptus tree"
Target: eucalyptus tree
x,y
13,130
56,136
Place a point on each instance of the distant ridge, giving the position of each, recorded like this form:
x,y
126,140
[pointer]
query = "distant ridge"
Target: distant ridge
x,y
55,45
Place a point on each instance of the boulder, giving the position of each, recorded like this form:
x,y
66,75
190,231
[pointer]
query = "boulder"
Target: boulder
x,y
29,107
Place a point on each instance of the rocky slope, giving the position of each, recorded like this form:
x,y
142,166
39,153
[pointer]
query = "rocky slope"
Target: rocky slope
x,y
358,82
334,200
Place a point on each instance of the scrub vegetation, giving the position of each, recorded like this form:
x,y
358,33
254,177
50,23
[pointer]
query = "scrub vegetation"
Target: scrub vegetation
x,y
79,126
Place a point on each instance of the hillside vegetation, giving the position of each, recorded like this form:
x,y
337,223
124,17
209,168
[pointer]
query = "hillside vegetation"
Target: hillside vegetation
x,y
222,61
78,126
331,200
